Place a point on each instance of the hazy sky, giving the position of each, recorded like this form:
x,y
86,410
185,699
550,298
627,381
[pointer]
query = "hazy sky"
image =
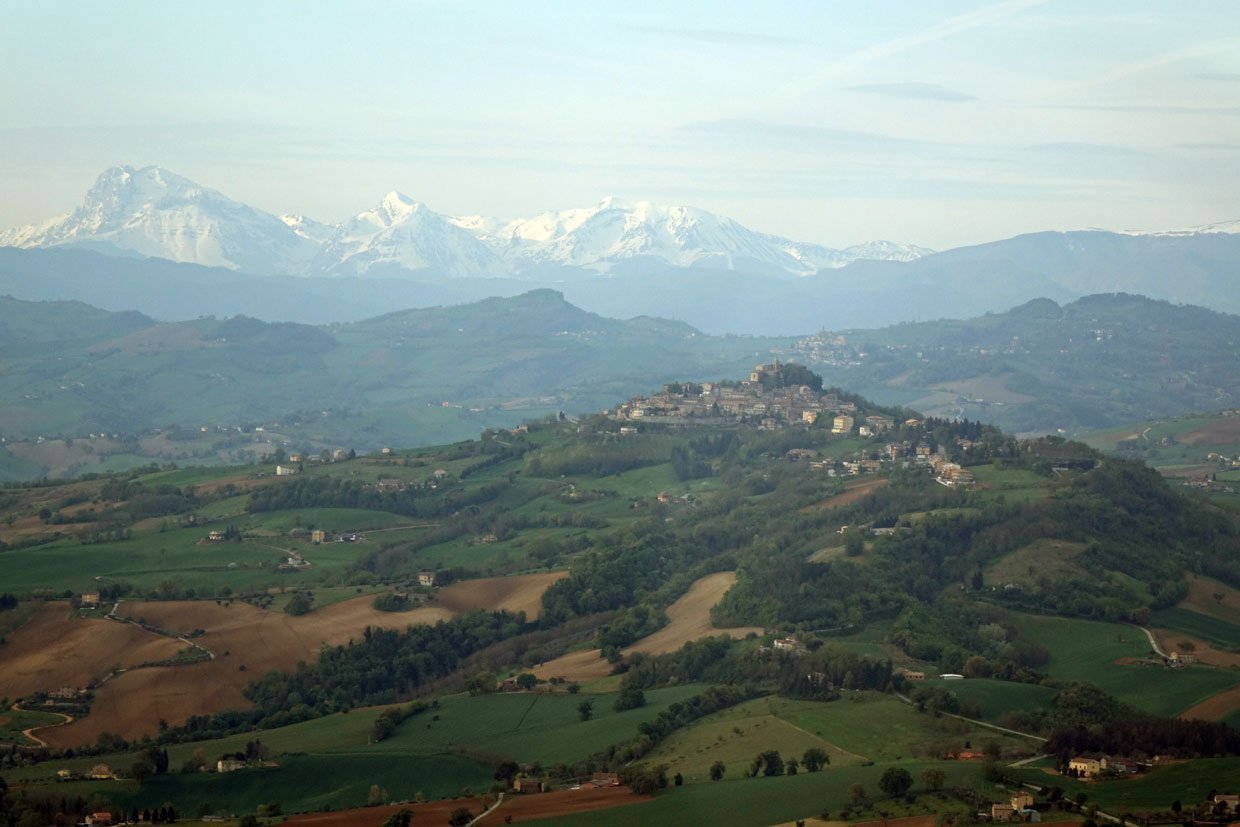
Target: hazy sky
x,y
938,123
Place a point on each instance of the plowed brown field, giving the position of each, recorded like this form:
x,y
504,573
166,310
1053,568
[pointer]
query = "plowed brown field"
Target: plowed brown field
x,y
514,594
521,808
688,619
54,649
849,495
248,642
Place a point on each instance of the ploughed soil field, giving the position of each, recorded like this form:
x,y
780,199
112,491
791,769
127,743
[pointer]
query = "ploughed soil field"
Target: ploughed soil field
x,y
514,594
53,650
521,807
688,619
849,495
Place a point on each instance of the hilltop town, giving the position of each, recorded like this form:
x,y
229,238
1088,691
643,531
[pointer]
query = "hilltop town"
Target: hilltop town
x,y
783,395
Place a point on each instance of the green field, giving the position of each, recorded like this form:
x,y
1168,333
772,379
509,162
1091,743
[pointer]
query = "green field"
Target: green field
x,y
14,721
757,802
860,727
994,698
1210,629
1086,650
299,783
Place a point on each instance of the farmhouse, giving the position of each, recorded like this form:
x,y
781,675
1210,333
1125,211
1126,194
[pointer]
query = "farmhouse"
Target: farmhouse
x,y
426,578
215,536
99,818
287,470
1086,766
101,772
1002,812
1230,802
842,424
229,765
90,598
789,644
911,675
1022,800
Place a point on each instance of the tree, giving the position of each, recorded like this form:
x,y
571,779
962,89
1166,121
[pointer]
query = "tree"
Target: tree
x,y
857,794
630,697
717,770
895,782
791,766
527,681
854,543
1176,806
932,778
460,817
400,818
678,779
815,759
142,769
299,604
377,796
586,709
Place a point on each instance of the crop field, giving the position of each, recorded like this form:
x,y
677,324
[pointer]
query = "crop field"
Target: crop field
x,y
54,649
247,642
757,802
1012,484
1213,630
1104,653
860,727
521,593
688,619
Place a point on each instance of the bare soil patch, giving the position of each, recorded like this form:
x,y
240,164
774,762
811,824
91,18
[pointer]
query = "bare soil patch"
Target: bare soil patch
x,y
1215,707
520,593
1224,431
54,649
688,619
1201,599
522,808
849,495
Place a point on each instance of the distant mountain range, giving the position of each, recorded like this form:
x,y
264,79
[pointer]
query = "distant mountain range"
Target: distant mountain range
x,y
151,241
155,213
439,374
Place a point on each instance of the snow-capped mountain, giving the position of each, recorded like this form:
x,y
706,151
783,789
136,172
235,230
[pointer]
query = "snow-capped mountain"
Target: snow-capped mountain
x,y
153,212
1219,228
403,234
599,237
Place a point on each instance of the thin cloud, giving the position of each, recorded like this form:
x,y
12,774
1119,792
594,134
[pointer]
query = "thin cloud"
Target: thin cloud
x,y
715,37
914,91
795,136
1222,77
1152,108
986,16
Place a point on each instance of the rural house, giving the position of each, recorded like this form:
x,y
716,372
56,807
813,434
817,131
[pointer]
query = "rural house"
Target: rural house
x,y
229,765
426,578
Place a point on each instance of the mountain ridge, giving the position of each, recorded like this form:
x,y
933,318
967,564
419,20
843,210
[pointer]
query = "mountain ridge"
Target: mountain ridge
x,y
156,213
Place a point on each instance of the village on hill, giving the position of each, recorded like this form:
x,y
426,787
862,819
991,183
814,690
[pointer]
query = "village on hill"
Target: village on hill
x,y
779,395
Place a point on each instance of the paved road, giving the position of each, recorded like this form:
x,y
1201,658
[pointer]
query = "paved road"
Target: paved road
x,y
1153,643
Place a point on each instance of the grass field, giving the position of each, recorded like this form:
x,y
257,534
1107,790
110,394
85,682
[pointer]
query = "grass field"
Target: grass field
x,y
1094,652
757,802
1043,558
994,698
1210,629
860,727
300,783
14,721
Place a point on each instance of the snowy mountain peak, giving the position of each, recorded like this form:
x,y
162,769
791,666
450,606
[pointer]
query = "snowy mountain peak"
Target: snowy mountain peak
x,y
156,213
153,212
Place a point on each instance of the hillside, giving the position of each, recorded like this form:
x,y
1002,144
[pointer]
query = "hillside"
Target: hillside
x,y
1042,367
679,594
411,377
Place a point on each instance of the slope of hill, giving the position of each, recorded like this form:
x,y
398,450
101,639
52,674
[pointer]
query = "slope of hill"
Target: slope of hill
x,y
416,376
1045,367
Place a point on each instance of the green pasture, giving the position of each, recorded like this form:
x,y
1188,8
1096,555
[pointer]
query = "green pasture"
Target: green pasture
x,y
1210,629
1086,650
859,727
756,802
993,699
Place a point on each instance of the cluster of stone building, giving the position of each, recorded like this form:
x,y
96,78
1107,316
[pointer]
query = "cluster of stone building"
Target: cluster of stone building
x,y
762,398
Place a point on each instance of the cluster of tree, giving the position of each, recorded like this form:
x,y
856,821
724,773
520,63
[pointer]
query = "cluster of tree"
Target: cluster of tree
x,y
393,602
600,456
1150,736
770,762
391,718
7,601
300,603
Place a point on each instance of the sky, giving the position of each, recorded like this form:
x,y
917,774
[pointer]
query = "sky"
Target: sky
x,y
939,124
